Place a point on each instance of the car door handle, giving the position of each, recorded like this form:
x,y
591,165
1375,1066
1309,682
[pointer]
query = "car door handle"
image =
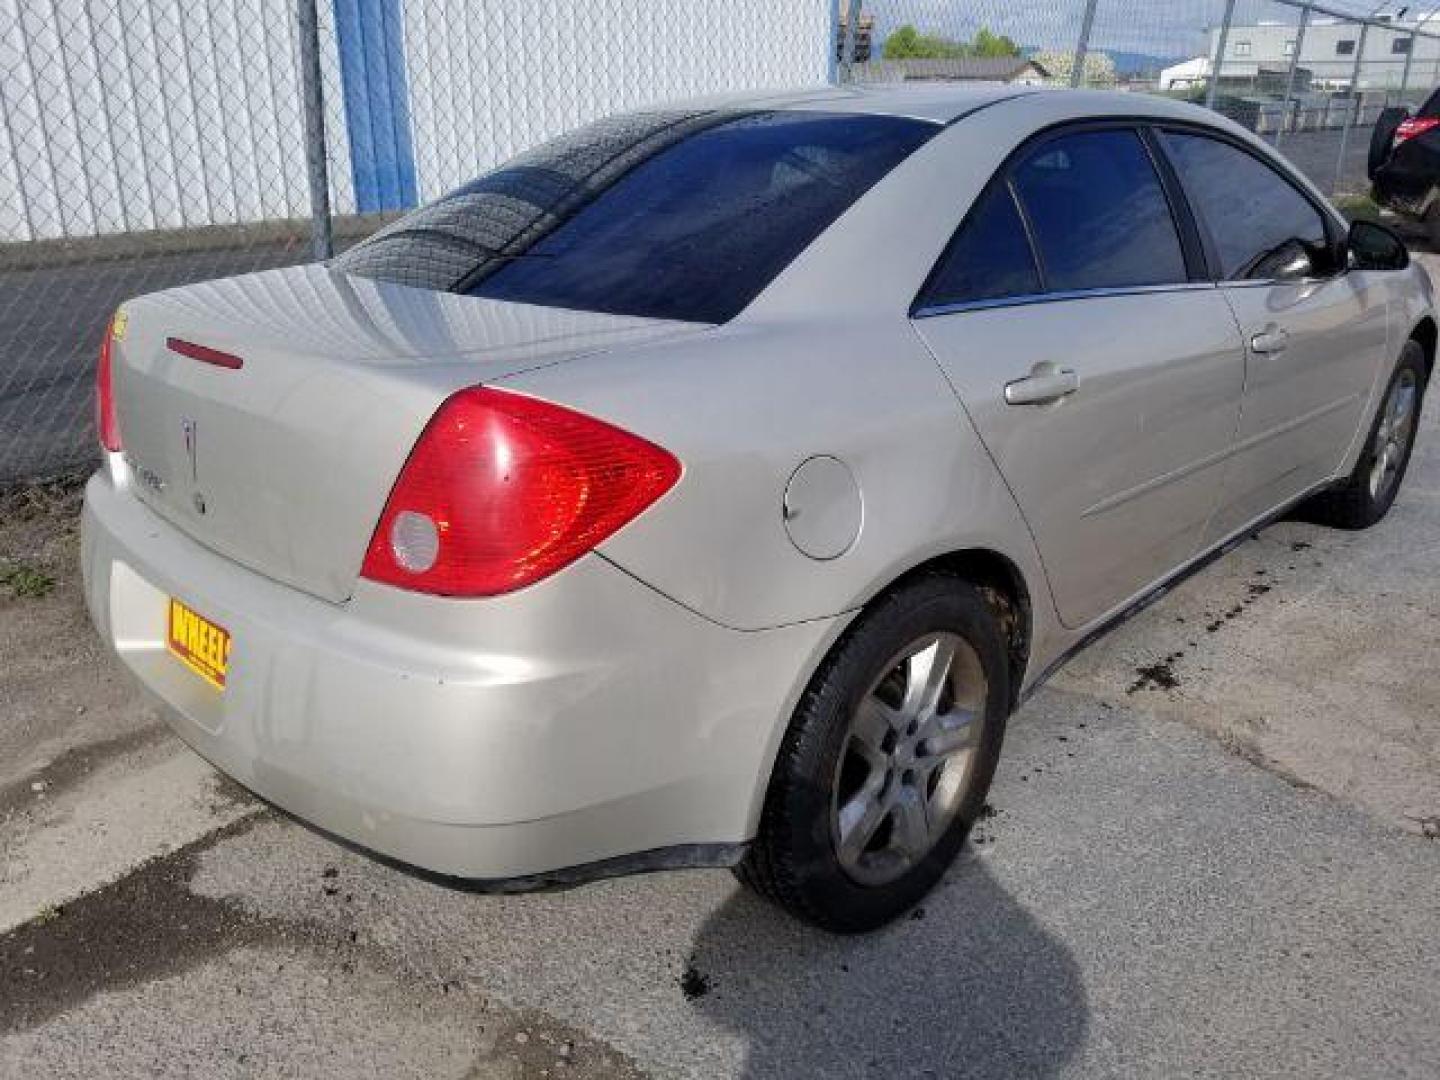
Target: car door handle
x,y
1045,383
1273,339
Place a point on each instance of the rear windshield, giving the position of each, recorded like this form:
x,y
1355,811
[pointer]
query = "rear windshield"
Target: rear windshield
x,y
1431,109
670,215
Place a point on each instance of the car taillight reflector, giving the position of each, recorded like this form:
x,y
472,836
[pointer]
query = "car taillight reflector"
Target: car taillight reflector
x,y
107,426
1416,125
502,490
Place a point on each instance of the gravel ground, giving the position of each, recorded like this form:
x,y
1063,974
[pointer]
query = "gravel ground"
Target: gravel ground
x,y
1207,854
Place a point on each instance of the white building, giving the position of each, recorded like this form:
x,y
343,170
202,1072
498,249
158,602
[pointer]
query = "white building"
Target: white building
x,y
1186,74
1329,50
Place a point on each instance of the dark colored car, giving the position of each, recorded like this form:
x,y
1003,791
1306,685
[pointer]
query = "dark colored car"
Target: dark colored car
x,y
1405,162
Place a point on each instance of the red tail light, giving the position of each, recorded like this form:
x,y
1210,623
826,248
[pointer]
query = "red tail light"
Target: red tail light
x,y
107,427
502,490
1416,125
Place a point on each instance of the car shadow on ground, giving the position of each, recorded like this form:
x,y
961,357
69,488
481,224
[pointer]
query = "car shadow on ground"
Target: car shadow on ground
x,y
969,984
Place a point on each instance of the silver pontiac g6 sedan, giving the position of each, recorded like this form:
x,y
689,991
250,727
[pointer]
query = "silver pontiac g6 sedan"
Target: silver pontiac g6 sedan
x,y
707,486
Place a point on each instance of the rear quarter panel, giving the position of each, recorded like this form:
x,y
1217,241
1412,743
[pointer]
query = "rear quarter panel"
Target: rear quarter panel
x,y
742,409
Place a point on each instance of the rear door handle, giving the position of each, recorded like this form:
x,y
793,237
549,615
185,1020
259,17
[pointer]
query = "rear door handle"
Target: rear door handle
x,y
1273,339
1045,383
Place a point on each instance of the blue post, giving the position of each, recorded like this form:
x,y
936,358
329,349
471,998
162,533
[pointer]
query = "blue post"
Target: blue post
x,y
377,109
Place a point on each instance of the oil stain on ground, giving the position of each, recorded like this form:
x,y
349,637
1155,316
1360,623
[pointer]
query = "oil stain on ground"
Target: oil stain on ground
x,y
74,765
144,926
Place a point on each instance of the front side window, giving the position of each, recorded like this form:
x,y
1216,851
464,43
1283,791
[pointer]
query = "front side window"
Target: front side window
x,y
1259,223
666,215
1345,47
1400,45
1098,213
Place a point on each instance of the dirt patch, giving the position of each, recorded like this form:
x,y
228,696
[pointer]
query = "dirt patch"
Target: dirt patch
x,y
694,983
1160,675
532,1044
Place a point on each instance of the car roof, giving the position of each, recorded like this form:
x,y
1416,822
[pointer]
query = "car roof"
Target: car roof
x,y
944,102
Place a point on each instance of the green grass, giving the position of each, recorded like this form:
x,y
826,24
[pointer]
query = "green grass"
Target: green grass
x,y
26,582
48,914
1358,207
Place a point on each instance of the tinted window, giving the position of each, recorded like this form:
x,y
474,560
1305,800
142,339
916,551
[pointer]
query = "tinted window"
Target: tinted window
x,y
1099,215
1253,214
990,256
668,215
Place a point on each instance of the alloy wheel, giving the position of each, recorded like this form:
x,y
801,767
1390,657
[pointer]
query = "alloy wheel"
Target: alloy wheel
x,y
904,769
1393,435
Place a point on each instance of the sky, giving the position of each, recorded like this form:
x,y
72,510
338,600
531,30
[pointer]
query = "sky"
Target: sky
x,y
1168,28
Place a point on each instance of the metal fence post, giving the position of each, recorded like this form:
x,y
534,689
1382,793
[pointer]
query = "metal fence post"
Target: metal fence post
x,y
1353,112
1290,75
1077,73
1219,54
852,28
832,64
317,164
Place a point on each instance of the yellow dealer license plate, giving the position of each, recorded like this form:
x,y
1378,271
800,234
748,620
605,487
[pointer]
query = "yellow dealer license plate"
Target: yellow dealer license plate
x,y
201,645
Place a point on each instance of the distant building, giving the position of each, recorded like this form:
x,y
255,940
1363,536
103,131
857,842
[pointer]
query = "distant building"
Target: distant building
x,y
1187,73
864,34
1329,51
1000,69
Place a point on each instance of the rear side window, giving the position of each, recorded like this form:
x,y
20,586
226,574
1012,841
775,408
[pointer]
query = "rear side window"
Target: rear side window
x,y
667,215
990,257
1253,213
1098,213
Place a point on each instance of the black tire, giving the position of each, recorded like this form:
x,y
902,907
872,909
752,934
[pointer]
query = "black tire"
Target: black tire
x,y
794,860
1358,503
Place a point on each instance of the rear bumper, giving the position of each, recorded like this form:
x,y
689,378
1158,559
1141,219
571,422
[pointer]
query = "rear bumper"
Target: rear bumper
x,y
584,720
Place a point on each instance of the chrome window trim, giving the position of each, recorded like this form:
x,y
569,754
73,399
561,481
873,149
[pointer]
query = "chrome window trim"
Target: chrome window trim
x,y
1273,283
1027,299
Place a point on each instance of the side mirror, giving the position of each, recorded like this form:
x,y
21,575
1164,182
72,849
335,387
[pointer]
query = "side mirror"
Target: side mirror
x,y
1371,246
1291,261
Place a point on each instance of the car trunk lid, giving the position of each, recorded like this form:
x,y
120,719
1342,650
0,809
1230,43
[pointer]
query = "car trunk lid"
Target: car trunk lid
x,y
267,416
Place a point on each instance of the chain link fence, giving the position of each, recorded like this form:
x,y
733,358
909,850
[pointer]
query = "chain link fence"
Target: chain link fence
x,y
149,143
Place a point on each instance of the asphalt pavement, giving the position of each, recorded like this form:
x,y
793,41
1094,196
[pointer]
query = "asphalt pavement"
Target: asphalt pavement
x,y
1141,903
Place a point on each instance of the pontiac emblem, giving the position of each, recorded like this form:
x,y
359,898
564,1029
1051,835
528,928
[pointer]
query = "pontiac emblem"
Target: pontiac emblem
x,y
188,427
192,439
